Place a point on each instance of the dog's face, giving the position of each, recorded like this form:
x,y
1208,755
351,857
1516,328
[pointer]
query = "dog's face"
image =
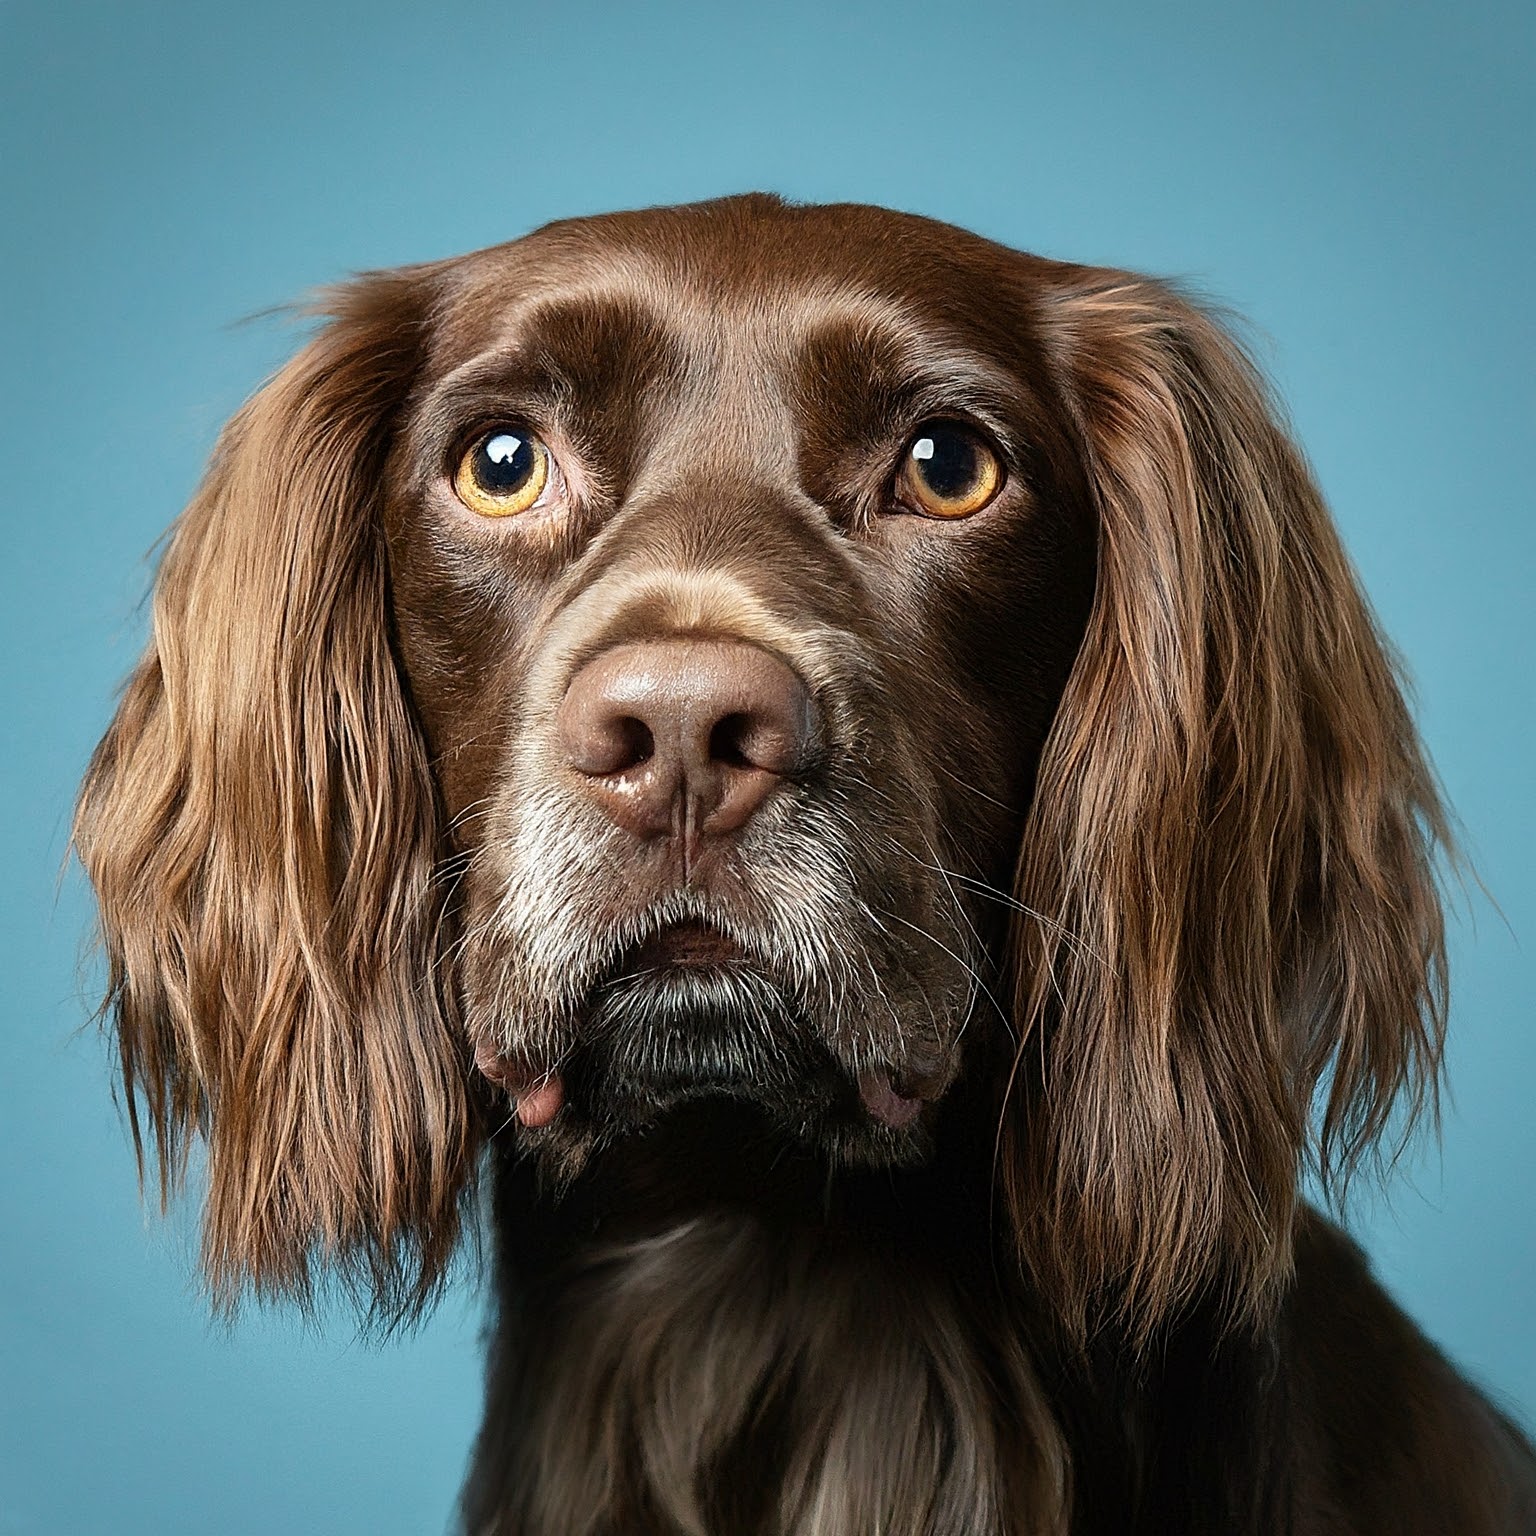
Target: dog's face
x,y
788,656
735,581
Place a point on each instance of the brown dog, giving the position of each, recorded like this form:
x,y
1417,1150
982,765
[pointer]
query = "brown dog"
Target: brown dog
x,y
870,742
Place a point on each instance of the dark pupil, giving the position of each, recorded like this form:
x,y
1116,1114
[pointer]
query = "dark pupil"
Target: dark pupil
x,y
947,463
503,463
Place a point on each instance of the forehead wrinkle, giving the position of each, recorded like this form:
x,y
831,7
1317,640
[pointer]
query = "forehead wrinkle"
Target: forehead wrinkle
x,y
491,292
676,292
904,350
721,300
540,339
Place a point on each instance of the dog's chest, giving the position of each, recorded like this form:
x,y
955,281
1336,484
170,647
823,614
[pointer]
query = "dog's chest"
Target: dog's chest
x,y
725,1376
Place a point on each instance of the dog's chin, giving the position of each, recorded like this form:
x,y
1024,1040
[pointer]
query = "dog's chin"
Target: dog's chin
x,y
663,1035
717,1032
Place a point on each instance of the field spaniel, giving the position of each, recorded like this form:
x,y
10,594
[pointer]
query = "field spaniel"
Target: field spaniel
x,y
838,775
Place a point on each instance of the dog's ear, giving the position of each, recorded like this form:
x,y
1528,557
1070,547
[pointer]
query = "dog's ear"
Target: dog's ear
x,y
1232,845
261,829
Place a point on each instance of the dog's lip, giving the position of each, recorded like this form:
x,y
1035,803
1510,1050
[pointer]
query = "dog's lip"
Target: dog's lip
x,y
537,1095
880,1092
688,943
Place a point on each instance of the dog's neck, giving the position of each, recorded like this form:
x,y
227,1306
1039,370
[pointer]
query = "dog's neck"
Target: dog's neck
x,y
710,1333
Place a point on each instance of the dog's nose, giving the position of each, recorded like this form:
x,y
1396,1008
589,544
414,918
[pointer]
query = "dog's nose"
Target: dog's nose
x,y
684,737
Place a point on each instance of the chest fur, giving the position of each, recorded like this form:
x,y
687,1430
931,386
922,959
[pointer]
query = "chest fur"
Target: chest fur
x,y
724,1376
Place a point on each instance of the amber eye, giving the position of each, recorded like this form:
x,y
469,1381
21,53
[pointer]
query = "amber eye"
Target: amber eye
x,y
503,473
948,471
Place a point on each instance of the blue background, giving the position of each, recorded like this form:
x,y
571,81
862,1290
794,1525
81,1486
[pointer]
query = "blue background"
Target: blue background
x,y
1356,178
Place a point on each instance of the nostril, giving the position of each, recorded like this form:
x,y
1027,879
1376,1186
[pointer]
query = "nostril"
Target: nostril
x,y
771,734
729,741
633,743
602,742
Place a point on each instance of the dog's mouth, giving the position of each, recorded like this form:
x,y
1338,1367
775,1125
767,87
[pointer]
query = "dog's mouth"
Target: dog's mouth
x,y
689,1013
684,945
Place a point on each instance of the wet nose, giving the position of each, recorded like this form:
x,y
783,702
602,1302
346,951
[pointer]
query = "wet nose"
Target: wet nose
x,y
684,737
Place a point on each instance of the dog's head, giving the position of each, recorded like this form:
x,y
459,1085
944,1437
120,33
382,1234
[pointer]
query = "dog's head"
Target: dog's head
x,y
772,654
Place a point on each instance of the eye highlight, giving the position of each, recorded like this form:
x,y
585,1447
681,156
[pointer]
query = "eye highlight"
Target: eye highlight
x,y
503,473
947,471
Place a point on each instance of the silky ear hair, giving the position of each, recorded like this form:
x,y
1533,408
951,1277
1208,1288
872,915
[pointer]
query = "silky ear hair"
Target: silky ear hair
x,y
261,829
1234,838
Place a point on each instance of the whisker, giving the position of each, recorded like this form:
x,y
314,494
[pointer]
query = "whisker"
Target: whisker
x,y
969,969
973,789
1003,898
474,808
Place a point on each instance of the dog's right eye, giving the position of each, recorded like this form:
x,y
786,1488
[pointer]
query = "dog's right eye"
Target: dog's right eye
x,y
503,473
948,472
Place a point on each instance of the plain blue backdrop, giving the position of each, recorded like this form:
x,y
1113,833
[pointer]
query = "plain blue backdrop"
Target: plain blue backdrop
x,y
1357,179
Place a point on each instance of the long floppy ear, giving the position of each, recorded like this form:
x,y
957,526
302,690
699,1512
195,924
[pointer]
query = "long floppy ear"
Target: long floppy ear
x,y
1232,841
261,830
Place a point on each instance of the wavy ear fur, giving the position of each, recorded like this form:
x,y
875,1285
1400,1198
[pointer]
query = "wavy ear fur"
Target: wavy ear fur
x,y
1234,839
261,830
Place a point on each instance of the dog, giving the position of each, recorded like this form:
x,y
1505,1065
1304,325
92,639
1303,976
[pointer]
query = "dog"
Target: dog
x,y
837,778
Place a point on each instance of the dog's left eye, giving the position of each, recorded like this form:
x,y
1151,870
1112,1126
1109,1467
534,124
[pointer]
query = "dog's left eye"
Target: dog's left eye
x,y
503,473
947,471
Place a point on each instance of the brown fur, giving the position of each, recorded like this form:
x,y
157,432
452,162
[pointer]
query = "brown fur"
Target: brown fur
x,y
260,827
1115,849
1233,835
